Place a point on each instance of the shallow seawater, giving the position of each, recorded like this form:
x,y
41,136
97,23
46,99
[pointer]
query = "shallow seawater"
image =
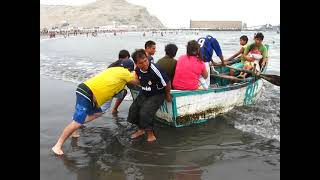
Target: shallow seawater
x,y
241,144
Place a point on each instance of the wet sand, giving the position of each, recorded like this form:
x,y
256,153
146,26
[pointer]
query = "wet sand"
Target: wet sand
x,y
215,150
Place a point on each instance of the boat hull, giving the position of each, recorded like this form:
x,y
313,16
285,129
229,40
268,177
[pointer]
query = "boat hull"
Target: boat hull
x,y
192,107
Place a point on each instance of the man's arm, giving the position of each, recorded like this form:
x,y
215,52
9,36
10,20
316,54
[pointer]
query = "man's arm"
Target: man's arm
x,y
233,56
265,58
164,80
167,91
222,59
135,81
263,63
217,64
236,54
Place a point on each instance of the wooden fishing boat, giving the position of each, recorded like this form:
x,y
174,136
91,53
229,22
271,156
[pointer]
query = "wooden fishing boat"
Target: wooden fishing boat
x,y
198,106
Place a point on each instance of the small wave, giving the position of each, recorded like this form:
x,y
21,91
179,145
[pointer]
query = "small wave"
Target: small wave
x,y
268,132
263,117
69,68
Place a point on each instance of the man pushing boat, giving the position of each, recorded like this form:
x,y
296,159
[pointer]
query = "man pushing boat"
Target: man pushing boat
x,y
93,93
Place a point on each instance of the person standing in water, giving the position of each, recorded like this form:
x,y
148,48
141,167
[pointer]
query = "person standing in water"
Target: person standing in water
x,y
155,88
123,55
92,94
150,49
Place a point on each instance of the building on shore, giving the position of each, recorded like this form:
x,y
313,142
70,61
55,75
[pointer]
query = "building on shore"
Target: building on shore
x,y
217,25
263,28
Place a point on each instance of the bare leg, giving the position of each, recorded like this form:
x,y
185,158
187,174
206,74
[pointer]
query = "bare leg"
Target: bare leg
x,y
231,72
75,134
118,102
138,133
89,118
65,134
92,117
151,136
116,105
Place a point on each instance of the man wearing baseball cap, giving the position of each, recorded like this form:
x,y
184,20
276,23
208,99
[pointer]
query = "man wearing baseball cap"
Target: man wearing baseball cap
x,y
93,93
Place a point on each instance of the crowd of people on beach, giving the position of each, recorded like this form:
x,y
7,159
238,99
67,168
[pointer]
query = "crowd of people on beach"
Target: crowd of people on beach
x,y
192,71
67,33
94,33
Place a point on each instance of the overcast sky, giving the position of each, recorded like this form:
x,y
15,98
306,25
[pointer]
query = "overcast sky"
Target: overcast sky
x,y
177,13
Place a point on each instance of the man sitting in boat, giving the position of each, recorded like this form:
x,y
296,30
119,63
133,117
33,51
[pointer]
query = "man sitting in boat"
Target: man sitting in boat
x,y
190,69
209,44
92,94
243,43
258,38
155,88
150,49
168,63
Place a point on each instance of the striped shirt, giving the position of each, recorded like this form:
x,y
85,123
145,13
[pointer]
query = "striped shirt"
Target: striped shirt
x,y
153,81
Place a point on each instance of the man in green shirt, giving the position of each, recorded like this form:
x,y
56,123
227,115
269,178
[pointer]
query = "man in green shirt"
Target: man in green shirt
x,y
258,38
168,63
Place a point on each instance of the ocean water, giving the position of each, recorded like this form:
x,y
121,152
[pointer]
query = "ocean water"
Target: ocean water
x,y
246,139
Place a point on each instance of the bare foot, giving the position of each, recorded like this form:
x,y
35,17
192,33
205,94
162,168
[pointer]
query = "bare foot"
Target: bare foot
x,y
151,136
57,150
114,111
138,133
75,134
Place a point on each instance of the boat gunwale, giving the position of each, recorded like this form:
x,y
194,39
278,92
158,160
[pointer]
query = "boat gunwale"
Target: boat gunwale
x,y
178,93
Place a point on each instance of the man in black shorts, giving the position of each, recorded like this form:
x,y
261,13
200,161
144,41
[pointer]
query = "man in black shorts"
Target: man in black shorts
x,y
155,88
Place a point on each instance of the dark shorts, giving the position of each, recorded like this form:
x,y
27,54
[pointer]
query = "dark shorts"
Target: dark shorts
x,y
84,107
143,109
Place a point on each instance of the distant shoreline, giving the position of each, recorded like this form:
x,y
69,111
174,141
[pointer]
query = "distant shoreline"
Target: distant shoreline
x,y
44,36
